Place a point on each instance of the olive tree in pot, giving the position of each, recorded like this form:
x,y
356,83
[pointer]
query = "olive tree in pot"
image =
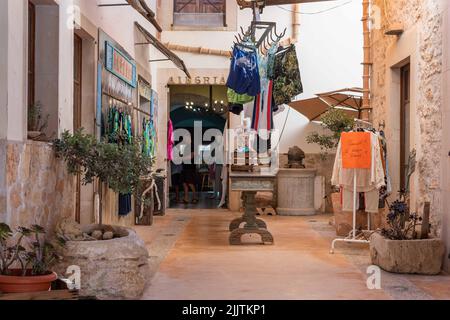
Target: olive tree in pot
x,y
26,260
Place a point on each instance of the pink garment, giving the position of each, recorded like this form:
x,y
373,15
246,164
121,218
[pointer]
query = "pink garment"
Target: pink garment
x,y
170,140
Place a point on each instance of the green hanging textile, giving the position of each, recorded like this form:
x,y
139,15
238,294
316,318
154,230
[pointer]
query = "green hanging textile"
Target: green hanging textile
x,y
146,147
236,98
152,130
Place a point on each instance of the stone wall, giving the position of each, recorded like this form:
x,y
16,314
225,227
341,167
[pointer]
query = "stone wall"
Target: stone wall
x,y
422,22
36,187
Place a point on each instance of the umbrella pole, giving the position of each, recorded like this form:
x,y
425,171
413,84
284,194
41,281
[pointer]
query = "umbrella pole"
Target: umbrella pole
x,y
367,63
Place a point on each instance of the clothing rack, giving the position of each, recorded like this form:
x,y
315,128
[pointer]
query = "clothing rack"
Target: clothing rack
x,y
251,40
353,237
270,35
361,124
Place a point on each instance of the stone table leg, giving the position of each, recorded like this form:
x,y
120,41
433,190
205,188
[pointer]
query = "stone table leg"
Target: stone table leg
x,y
252,224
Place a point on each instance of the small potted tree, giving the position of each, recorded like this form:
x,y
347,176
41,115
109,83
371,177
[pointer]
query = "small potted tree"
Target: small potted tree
x,y
26,259
37,122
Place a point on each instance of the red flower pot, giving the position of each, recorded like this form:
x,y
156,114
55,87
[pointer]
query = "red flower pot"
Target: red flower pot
x,y
17,284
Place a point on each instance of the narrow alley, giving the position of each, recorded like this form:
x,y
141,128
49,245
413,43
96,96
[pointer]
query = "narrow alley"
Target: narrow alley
x,y
191,260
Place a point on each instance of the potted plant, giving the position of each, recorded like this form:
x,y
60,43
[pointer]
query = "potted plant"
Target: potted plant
x,y
37,123
334,123
400,248
26,259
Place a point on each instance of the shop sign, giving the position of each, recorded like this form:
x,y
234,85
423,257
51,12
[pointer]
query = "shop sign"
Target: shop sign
x,y
356,150
144,90
119,65
218,80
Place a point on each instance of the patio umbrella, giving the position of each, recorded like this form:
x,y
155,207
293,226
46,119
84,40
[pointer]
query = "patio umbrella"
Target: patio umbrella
x,y
348,100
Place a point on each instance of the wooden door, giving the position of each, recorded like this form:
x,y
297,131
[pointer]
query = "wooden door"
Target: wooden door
x,y
405,126
77,87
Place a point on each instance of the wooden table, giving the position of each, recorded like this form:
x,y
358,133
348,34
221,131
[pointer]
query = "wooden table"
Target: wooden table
x,y
250,183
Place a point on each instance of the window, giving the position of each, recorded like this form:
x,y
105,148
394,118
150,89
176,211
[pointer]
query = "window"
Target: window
x,y
405,129
200,13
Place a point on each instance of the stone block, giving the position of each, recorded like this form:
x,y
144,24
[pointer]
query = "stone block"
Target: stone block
x,y
423,257
112,269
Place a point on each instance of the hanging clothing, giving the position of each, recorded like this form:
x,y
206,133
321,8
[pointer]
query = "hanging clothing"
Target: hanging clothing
x,y
124,204
147,137
385,191
366,179
170,140
286,76
371,200
262,118
236,98
224,173
244,72
236,108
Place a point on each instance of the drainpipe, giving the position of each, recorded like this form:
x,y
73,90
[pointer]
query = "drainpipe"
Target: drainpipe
x,y
367,62
296,22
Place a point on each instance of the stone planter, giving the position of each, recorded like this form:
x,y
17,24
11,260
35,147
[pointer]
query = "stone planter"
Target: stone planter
x,y
409,257
296,190
110,269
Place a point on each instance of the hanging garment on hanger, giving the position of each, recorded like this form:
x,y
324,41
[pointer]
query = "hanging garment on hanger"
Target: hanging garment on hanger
x,y
236,108
271,55
367,179
286,76
146,144
124,204
153,138
170,140
225,161
236,98
386,191
371,201
262,118
244,73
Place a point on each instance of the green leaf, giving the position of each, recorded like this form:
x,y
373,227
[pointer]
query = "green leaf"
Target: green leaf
x,y
5,231
37,229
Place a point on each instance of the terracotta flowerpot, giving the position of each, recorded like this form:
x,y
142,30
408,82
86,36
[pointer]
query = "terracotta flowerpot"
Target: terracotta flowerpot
x,y
17,284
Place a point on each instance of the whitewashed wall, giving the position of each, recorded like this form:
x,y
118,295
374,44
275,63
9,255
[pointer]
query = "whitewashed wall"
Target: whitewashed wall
x,y
330,54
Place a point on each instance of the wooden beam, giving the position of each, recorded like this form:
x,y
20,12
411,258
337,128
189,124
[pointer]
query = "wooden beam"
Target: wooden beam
x,y
248,3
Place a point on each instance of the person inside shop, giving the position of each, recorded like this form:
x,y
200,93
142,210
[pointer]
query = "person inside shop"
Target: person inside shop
x,y
190,180
177,171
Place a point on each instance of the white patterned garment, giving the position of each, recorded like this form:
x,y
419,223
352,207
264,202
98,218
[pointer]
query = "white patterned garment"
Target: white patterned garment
x,y
366,179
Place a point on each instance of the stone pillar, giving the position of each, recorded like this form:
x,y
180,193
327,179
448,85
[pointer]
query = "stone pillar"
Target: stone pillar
x,y
13,69
3,72
13,85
